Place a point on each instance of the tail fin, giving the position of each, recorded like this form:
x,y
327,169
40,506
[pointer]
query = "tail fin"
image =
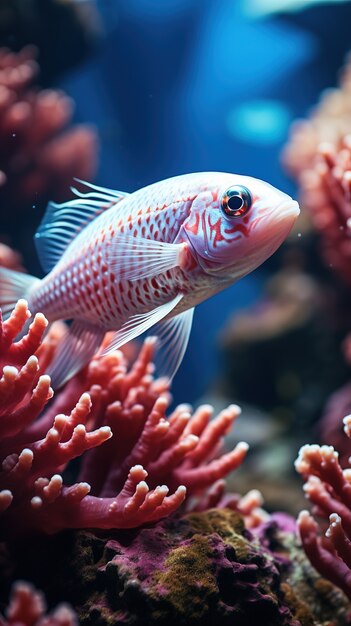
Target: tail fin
x,y
13,286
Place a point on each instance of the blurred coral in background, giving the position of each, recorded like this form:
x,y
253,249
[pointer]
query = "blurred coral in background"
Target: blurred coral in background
x,y
10,259
319,157
39,155
27,607
40,151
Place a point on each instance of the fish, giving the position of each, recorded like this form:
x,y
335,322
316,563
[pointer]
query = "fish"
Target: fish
x,y
131,262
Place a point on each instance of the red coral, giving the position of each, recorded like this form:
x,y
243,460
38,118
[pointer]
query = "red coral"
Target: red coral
x,y
328,487
37,154
319,157
125,410
27,607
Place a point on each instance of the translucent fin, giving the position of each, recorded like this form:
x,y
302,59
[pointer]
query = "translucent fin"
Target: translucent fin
x,y
173,337
138,324
133,258
77,347
62,222
110,195
13,286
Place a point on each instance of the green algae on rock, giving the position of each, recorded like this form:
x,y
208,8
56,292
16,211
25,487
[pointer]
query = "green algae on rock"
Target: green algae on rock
x,y
204,568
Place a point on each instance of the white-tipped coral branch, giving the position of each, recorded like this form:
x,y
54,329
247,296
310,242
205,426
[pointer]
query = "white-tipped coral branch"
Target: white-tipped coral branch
x,y
137,464
328,487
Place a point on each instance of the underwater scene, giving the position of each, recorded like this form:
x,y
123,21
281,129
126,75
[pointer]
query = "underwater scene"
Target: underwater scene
x,y
175,326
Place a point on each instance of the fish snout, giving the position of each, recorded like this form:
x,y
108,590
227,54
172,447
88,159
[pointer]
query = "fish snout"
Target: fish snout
x,y
287,210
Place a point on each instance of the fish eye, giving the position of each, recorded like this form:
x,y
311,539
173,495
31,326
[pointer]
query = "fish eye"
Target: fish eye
x,y
236,201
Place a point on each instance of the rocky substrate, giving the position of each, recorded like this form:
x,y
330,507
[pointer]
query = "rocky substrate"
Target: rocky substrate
x,y
204,568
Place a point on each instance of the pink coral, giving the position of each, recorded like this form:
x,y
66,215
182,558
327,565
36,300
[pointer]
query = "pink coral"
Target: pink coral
x,y
37,154
329,121
328,487
319,157
125,410
27,607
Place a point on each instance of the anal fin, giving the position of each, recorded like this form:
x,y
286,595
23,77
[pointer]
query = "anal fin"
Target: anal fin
x,y
77,347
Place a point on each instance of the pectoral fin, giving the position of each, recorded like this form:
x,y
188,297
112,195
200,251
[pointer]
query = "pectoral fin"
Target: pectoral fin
x,y
134,258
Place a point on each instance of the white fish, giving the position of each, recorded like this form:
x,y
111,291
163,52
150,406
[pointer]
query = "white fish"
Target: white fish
x,y
126,262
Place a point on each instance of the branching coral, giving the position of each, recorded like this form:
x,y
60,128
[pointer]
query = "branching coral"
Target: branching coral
x,y
319,156
27,607
328,487
125,410
37,154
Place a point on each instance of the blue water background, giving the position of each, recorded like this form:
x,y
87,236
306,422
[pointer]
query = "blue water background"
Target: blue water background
x,y
188,85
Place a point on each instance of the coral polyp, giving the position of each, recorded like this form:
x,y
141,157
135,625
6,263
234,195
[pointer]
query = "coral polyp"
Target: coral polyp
x,y
136,462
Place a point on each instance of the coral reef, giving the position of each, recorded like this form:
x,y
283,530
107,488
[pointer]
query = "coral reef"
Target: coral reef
x,y
328,487
38,154
200,567
125,410
203,568
319,157
27,607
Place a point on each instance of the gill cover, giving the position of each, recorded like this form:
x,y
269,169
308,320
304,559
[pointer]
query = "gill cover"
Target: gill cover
x,y
215,224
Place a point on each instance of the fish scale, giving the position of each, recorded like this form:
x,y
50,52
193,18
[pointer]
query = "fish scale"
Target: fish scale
x,y
133,262
82,280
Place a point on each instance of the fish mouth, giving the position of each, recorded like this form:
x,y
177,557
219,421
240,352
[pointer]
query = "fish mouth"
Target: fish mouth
x,y
288,209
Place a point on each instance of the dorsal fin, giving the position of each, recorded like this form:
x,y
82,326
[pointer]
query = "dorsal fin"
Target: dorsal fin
x,y
62,222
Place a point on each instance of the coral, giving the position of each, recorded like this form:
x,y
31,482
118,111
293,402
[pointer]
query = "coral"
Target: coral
x,y
330,120
328,487
125,410
27,608
38,155
330,426
319,156
203,568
